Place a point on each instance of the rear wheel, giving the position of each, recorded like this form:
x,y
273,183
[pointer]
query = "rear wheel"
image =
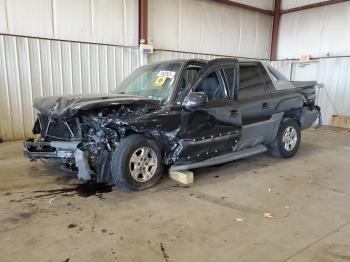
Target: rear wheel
x,y
288,139
136,163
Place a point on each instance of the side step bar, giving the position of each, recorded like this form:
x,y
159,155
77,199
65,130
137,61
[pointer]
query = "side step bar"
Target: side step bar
x,y
221,159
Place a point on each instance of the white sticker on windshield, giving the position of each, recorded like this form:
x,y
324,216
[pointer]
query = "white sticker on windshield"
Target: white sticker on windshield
x,y
167,74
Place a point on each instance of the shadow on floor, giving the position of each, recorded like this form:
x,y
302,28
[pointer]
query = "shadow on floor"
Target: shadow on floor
x,y
84,190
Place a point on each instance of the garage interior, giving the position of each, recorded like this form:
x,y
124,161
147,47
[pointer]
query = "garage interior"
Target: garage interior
x,y
255,209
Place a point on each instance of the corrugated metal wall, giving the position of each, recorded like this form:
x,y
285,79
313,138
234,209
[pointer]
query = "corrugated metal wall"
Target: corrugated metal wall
x,y
334,73
105,51
99,21
209,27
318,32
31,67
322,33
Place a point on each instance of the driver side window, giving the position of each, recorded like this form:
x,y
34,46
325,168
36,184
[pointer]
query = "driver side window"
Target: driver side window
x,y
213,87
189,76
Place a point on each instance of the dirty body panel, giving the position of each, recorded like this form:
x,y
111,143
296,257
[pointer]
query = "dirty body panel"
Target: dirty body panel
x,y
82,132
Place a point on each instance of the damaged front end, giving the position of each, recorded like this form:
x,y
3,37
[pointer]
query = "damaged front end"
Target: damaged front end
x,y
83,140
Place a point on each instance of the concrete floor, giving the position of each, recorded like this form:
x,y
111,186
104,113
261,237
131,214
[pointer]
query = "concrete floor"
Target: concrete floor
x,y
43,218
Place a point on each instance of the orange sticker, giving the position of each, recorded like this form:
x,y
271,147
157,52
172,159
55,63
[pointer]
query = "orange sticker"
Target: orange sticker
x,y
160,81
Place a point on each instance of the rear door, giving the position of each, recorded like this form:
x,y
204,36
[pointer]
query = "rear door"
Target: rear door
x,y
214,128
253,97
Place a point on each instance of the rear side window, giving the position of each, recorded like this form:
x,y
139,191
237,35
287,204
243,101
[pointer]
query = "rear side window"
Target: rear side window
x,y
251,83
276,76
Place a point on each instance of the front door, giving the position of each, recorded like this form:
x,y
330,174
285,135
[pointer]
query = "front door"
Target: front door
x,y
215,127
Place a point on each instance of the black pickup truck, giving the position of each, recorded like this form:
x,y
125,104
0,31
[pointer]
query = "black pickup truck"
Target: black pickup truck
x,y
177,115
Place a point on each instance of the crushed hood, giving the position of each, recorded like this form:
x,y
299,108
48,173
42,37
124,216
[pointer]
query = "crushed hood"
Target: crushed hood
x,y
60,107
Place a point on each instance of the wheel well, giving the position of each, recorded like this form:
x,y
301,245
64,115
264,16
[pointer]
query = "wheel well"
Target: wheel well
x,y
155,136
295,114
129,132
152,136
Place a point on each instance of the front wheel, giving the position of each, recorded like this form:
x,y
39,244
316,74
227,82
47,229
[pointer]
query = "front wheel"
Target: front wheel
x,y
288,139
136,163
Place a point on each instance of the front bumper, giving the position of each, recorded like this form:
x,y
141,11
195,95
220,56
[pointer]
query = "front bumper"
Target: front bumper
x,y
56,149
66,151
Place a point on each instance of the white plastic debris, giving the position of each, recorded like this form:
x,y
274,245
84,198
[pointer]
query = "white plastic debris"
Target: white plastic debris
x,y
267,215
51,200
238,219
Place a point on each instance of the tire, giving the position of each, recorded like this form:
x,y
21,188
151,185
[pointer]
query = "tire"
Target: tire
x,y
286,149
131,171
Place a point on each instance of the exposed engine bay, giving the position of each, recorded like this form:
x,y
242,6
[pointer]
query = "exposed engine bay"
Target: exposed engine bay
x,y
85,142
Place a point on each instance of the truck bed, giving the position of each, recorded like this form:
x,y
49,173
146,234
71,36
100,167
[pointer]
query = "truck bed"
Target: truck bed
x,y
304,84
306,88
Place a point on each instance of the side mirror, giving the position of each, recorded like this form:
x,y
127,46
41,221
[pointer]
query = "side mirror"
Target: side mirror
x,y
195,99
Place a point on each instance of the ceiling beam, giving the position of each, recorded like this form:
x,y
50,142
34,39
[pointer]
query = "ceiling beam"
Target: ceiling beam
x,y
275,30
304,7
244,6
143,21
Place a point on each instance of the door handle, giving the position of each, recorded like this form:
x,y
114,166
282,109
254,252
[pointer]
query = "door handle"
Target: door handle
x,y
265,105
234,113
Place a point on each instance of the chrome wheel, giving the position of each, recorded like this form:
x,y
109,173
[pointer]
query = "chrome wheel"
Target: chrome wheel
x,y
143,164
289,138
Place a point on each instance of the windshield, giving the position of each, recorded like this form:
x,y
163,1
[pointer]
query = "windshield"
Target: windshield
x,y
155,81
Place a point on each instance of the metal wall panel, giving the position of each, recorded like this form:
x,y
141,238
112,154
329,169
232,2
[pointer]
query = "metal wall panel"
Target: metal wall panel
x,y
131,22
212,16
206,26
287,4
72,19
14,88
108,12
32,68
5,107
334,73
264,4
230,34
318,32
3,16
30,17
112,22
